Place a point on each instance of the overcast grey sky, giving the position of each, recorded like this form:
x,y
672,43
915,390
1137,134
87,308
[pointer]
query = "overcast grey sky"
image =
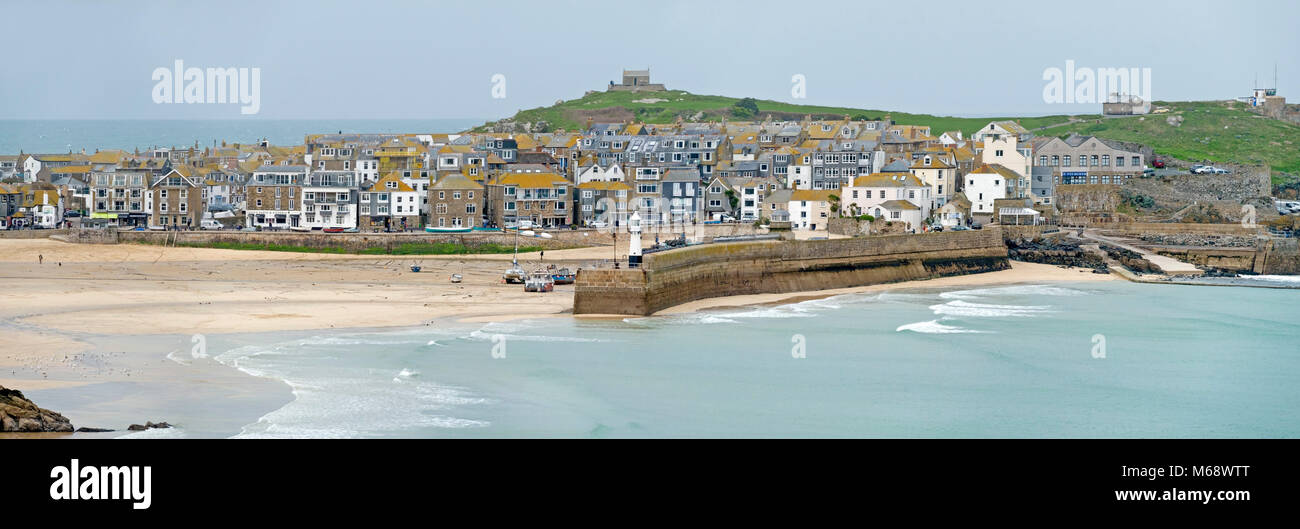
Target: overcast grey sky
x,y
377,59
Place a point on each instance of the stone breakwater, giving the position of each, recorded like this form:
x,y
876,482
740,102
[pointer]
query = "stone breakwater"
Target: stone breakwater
x,y
678,276
17,414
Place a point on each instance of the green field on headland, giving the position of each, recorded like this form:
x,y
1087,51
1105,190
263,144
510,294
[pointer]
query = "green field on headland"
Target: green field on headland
x,y
667,106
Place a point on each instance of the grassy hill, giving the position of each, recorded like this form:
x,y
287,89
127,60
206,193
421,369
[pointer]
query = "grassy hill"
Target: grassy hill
x,y
1217,131
666,107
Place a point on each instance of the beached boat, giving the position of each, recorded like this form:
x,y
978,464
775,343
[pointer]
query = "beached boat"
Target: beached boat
x,y
456,278
563,276
514,274
539,281
432,229
299,228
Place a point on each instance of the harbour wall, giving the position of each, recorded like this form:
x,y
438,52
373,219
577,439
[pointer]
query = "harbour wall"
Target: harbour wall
x,y
353,242
673,277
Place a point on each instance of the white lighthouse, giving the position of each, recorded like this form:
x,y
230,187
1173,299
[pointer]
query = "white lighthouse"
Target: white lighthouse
x,y
634,246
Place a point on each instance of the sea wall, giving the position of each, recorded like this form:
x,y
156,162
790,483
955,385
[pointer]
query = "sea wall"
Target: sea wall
x,y
88,236
352,242
30,234
1282,256
1137,229
678,276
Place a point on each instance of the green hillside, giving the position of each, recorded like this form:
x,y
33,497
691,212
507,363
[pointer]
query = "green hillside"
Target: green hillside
x,y
1216,131
666,107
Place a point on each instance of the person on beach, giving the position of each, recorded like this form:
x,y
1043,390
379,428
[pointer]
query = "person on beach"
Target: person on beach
x,y
40,258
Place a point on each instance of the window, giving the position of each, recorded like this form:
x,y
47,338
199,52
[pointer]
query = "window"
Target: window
x,y
1137,161
1065,161
1105,160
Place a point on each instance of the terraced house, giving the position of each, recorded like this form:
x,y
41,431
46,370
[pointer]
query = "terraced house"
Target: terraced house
x,y
119,195
602,202
389,204
329,199
273,194
176,199
543,198
455,201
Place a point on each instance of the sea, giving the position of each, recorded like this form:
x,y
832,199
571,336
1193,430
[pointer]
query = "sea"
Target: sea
x,y
61,136
1091,360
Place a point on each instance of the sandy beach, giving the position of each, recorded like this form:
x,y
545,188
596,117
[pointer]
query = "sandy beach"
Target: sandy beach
x,y
101,319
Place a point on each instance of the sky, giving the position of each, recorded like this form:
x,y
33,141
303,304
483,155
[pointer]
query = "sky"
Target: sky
x,y
422,60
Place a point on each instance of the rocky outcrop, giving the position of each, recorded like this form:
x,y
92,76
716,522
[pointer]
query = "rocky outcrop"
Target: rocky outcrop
x,y
17,414
1054,252
148,426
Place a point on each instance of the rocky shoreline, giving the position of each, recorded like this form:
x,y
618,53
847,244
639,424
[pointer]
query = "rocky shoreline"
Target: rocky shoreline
x,y
1055,252
17,414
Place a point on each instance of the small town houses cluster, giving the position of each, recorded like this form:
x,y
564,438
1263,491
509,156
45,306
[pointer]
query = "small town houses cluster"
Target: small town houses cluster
x,y
805,170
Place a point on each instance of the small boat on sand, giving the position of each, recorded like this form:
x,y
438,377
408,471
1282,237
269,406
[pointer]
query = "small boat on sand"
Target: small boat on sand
x,y
514,274
455,278
432,229
563,276
539,281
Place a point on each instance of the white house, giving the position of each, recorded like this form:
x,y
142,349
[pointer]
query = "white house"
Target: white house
x,y
329,200
869,192
1000,128
985,184
1013,154
810,209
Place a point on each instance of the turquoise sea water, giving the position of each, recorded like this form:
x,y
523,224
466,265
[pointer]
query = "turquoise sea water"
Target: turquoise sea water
x,y
56,136
1012,361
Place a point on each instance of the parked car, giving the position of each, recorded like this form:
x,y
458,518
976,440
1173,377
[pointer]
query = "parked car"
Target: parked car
x,y
210,224
1158,164
959,227
598,224
1148,172
1220,170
